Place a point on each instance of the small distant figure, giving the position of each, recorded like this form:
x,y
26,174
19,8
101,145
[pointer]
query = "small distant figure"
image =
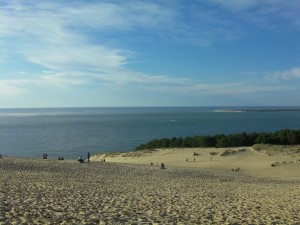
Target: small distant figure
x,y
151,164
45,156
80,159
58,158
187,159
88,157
194,160
162,166
237,169
62,158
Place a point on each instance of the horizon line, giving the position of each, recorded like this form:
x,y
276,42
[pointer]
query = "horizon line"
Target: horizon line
x,y
69,107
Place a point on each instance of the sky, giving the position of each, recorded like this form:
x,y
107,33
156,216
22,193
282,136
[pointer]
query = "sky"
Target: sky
x,y
89,53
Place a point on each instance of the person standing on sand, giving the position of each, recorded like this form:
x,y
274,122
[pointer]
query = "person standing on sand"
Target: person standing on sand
x,y
88,157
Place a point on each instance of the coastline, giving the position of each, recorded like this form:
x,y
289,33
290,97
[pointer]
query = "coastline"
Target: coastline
x,y
37,191
71,132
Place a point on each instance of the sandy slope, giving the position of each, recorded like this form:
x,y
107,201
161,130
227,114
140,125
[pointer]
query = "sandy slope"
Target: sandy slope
x,y
36,191
255,160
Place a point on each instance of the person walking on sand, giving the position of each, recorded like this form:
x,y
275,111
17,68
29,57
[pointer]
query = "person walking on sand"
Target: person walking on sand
x,y
88,157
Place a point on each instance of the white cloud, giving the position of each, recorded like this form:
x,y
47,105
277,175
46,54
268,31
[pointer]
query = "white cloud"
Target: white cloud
x,y
62,80
61,35
66,80
72,39
48,33
13,87
68,37
284,75
17,87
231,89
78,57
61,18
125,15
129,79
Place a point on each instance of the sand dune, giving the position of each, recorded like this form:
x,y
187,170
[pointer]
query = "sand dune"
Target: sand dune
x,y
260,160
36,191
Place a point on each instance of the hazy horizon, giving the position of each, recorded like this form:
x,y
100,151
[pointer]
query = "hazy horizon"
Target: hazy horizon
x,y
214,107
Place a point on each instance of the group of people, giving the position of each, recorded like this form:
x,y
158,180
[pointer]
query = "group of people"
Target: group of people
x,y
81,160
162,165
187,159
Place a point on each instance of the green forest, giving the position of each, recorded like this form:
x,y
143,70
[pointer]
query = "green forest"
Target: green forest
x,y
282,137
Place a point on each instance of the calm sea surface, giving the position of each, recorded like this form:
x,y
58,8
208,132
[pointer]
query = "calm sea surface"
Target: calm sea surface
x,y
71,132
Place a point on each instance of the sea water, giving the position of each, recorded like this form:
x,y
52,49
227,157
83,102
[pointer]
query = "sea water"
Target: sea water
x,y
71,132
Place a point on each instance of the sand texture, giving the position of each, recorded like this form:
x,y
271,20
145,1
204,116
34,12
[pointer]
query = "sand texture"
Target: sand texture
x,y
36,191
259,160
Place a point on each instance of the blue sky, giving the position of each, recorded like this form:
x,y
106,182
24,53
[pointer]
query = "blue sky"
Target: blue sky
x,y
149,53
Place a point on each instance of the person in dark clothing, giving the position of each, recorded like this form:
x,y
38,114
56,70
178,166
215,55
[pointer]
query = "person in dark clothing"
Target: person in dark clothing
x,y
80,159
88,157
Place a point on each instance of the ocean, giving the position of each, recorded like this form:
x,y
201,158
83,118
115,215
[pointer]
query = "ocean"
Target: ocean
x,y
71,132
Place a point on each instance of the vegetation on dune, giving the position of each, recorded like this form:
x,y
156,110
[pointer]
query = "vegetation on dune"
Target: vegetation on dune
x,y
282,137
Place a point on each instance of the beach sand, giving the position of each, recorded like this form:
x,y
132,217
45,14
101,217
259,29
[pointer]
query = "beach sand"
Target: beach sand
x,y
255,161
207,191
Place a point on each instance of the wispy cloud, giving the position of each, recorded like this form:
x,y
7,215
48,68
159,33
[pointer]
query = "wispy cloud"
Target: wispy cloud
x,y
14,87
129,79
274,14
58,28
66,80
71,39
231,89
284,75
76,40
78,57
